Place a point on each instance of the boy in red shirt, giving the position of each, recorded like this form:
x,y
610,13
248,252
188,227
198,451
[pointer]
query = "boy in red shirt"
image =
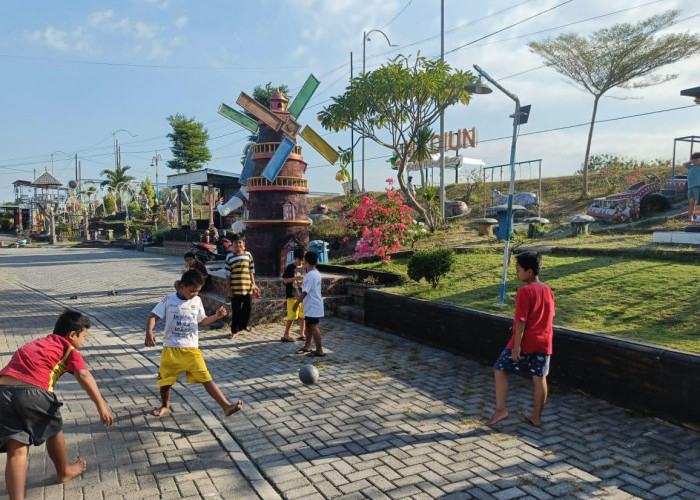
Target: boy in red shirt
x,y
29,409
530,347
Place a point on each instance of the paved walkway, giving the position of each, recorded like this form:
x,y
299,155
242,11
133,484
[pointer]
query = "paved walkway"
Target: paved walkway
x,y
389,418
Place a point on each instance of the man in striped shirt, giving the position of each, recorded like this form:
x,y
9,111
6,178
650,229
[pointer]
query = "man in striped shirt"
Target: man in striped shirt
x,y
240,284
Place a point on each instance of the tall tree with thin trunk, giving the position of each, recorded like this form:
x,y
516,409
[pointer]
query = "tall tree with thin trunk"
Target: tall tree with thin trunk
x,y
391,104
624,55
190,151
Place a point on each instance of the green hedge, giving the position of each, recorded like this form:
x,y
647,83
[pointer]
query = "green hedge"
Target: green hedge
x,y
431,265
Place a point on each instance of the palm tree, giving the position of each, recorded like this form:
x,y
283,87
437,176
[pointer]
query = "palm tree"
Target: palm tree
x,y
116,177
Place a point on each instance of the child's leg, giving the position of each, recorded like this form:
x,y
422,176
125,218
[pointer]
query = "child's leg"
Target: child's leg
x,y
164,401
56,448
316,333
302,329
539,397
16,469
501,385
214,391
246,306
287,327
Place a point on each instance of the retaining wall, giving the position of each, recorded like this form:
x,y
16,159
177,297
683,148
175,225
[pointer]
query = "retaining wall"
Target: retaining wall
x,y
643,377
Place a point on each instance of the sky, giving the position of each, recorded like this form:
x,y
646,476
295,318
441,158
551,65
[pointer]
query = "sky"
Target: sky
x,y
76,76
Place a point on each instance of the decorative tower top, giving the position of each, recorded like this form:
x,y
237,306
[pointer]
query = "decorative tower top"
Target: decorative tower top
x,y
278,102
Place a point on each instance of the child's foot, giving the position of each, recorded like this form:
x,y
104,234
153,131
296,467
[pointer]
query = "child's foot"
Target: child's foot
x,y
159,412
231,409
234,335
497,417
248,329
73,470
316,354
302,338
304,350
534,421
287,339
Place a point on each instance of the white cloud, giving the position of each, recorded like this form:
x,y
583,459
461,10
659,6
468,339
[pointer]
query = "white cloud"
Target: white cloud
x,y
115,34
76,40
180,22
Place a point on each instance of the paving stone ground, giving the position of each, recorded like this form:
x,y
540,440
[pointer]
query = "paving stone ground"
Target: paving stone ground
x,y
389,418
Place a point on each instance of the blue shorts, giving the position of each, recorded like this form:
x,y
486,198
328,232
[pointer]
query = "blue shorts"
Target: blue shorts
x,y
534,364
694,192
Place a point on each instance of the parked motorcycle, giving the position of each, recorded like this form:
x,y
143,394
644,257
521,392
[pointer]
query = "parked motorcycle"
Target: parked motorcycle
x,y
204,252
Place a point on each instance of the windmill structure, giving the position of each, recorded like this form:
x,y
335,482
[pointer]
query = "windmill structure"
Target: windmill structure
x,y
274,189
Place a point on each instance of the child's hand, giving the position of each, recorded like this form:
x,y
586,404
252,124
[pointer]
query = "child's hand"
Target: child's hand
x,y
515,355
221,312
151,339
105,415
295,306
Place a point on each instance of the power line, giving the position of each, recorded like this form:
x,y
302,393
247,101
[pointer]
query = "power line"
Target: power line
x,y
563,127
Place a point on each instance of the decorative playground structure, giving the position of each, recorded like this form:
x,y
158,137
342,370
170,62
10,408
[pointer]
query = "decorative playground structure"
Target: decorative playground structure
x,y
273,187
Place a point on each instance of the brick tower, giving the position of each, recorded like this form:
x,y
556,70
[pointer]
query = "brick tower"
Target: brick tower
x,y
278,219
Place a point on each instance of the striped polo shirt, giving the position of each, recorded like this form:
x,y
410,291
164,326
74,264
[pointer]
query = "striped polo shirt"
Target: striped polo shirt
x,y
239,268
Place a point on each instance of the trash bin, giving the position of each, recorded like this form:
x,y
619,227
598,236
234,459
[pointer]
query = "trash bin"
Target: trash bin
x,y
110,234
320,248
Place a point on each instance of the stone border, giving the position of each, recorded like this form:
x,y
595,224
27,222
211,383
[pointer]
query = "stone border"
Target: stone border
x,y
643,377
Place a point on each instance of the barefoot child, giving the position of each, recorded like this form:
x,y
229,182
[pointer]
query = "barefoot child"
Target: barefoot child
x,y
530,347
184,314
293,278
29,409
313,305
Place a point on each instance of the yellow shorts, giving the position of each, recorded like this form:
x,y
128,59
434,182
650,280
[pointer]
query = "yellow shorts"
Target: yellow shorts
x,y
176,360
291,313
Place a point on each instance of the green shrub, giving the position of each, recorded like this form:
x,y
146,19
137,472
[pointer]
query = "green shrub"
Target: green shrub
x,y
331,227
431,264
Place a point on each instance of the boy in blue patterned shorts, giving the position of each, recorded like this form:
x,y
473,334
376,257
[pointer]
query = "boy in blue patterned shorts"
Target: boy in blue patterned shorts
x,y
184,314
530,346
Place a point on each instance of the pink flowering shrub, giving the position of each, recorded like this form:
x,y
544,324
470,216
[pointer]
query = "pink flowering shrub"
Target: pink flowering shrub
x,y
382,226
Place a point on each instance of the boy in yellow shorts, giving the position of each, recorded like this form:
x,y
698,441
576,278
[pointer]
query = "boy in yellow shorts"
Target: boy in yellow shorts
x,y
184,314
293,277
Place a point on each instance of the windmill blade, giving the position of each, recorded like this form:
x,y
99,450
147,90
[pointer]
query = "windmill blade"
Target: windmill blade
x,y
319,144
304,96
259,111
238,117
275,164
248,167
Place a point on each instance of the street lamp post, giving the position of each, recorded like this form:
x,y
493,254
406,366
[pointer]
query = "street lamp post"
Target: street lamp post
x,y
154,163
117,155
365,39
509,214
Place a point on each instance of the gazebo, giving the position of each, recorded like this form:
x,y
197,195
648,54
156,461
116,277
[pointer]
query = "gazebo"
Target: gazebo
x,y
48,196
218,182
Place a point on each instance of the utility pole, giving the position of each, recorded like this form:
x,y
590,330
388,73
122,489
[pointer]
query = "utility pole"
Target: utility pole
x,y
352,143
77,172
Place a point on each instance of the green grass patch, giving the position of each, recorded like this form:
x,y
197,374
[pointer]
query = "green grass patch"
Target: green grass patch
x,y
648,300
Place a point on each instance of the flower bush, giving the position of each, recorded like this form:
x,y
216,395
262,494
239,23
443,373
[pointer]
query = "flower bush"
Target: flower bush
x,y
383,226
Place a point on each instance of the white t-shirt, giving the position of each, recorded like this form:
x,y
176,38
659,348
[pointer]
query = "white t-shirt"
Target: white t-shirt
x,y
181,320
313,302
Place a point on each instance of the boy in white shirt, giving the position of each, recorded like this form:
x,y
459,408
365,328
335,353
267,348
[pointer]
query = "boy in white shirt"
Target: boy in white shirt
x,y
313,305
184,314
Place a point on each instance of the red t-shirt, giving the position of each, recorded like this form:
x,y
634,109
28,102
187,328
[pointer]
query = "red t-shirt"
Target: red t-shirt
x,y
534,304
43,361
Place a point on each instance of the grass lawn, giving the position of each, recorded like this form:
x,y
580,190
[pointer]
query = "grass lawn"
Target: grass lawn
x,y
656,301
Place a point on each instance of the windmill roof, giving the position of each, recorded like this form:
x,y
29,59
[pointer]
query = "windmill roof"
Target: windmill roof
x,y
46,179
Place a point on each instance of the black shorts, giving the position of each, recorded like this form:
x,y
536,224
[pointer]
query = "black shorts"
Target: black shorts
x,y
311,321
28,414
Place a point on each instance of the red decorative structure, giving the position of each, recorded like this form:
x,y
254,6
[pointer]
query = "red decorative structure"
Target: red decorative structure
x,y
278,220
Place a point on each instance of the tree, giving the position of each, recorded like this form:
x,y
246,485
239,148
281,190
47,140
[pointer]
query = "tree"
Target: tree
x,y
399,98
190,151
115,178
148,191
618,56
